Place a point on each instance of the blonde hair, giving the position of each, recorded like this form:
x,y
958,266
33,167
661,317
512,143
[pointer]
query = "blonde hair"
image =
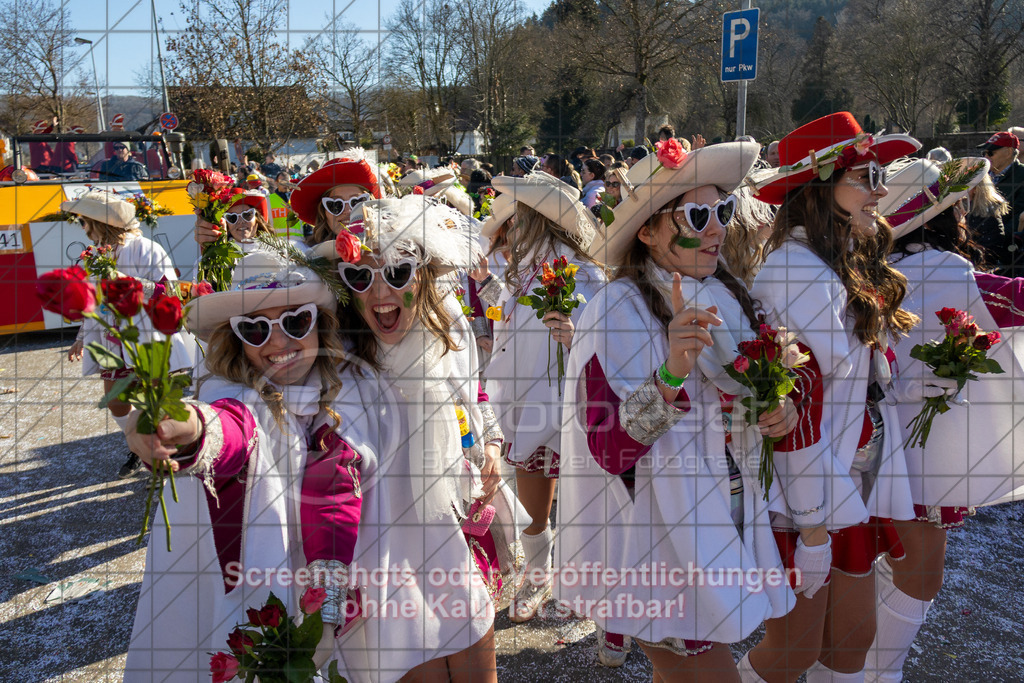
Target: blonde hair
x,y
226,358
986,200
742,249
533,230
110,235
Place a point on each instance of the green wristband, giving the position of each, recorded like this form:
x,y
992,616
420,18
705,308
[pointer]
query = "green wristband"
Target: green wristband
x,y
668,378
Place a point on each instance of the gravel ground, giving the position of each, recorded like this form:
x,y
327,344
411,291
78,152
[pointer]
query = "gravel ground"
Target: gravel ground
x,y
68,524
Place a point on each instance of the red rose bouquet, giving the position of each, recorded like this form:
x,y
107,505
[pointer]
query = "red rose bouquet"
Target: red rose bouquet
x,y
765,366
961,355
212,193
99,262
151,389
556,293
272,648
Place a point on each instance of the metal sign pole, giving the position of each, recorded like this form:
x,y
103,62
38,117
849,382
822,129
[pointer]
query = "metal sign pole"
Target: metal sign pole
x,y
741,95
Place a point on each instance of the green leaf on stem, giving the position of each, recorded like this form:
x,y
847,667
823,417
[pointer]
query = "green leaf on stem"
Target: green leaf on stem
x,y
115,391
104,357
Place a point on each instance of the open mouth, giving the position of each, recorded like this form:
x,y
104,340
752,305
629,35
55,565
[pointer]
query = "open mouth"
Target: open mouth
x,y
387,317
282,358
711,251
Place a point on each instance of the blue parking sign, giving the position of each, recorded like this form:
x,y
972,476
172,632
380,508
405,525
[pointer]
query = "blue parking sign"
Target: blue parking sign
x,y
739,45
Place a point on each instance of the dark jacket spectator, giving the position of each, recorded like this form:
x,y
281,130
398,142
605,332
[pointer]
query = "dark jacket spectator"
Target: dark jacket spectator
x,y
122,166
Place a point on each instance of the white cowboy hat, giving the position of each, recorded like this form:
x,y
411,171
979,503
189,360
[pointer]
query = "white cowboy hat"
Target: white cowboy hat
x,y
431,180
394,229
922,189
503,207
723,165
261,279
105,207
553,199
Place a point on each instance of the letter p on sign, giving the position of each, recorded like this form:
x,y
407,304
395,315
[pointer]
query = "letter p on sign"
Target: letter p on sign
x,y
739,29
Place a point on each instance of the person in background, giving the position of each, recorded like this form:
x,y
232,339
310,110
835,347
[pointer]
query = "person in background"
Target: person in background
x,y
122,166
524,164
1002,151
466,169
254,182
939,154
985,219
592,175
270,167
527,151
635,155
772,154
666,132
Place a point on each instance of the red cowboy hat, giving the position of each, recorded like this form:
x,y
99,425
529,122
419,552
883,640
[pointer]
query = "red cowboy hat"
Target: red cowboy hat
x,y
306,197
836,140
257,200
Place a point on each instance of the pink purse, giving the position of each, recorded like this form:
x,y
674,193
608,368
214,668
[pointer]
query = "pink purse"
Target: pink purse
x,y
479,519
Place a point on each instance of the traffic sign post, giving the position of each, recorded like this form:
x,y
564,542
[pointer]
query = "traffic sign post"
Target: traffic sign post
x,y
168,121
739,55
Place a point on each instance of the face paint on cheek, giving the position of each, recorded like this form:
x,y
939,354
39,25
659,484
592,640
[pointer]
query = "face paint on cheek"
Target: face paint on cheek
x,y
688,242
407,299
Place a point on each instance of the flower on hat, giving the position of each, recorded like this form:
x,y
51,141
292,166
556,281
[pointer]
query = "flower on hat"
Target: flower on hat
x,y
671,153
348,247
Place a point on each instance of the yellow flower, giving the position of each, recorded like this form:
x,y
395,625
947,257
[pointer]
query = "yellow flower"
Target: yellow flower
x,y
571,269
201,200
493,313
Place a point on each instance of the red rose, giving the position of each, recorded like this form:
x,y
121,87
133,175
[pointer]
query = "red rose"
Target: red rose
x,y
223,667
670,153
971,330
741,364
312,600
124,295
752,349
270,616
767,331
553,290
65,291
771,350
239,640
254,616
348,247
202,289
417,190
946,315
165,312
984,342
559,282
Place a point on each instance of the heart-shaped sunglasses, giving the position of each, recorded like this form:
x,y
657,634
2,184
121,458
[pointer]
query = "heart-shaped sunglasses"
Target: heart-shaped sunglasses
x,y
256,331
360,278
246,216
698,216
336,207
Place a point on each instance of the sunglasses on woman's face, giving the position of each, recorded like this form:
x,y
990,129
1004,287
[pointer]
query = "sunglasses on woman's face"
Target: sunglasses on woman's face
x,y
336,207
256,331
875,177
613,186
698,216
246,216
360,278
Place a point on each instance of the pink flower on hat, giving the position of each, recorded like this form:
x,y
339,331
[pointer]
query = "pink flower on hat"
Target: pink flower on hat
x,y
671,153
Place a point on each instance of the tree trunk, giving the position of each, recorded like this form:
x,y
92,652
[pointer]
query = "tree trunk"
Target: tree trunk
x,y
640,126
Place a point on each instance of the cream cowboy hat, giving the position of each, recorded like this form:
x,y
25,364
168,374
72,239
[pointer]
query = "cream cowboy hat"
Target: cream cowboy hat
x,y
553,199
922,189
261,279
503,207
653,186
105,207
430,180
394,229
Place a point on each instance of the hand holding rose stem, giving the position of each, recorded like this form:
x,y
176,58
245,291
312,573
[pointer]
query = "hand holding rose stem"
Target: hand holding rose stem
x,y
151,388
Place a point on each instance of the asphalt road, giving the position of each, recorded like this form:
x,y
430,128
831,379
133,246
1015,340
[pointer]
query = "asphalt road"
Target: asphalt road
x,y
70,568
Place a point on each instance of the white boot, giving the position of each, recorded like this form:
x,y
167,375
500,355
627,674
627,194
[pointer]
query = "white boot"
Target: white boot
x,y
899,618
747,672
531,596
819,673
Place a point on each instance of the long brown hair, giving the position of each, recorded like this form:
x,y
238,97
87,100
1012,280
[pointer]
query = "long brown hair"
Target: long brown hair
x,y
110,235
430,304
534,230
321,230
635,268
226,358
945,233
874,289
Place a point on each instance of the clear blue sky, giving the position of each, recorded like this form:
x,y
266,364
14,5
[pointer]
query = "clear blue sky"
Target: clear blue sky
x,y
124,40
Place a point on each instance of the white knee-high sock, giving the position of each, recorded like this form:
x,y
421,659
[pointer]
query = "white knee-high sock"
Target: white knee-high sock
x,y
899,618
537,549
122,422
747,672
819,673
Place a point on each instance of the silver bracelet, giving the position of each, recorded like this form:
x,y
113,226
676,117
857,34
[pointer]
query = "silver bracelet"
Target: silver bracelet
x,y
492,430
646,415
490,291
332,576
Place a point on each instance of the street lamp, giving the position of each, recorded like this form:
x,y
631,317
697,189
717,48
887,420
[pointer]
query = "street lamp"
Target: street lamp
x,y
96,82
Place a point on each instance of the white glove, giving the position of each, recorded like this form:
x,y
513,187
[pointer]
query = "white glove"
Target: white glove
x,y
814,563
921,383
